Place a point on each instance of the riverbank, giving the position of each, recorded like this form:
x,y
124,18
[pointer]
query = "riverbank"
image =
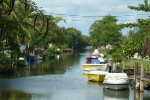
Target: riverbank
x,y
133,68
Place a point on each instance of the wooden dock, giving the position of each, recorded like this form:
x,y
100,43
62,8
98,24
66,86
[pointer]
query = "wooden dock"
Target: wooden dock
x,y
140,75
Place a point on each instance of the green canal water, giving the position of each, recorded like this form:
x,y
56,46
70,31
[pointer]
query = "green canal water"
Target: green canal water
x,y
60,79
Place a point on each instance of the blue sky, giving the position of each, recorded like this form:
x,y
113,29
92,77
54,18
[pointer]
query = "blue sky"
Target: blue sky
x,y
80,14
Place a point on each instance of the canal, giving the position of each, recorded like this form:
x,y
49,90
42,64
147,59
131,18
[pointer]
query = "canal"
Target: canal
x,y
60,79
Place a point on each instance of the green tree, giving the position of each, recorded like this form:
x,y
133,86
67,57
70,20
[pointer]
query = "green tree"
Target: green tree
x,y
75,38
105,31
142,32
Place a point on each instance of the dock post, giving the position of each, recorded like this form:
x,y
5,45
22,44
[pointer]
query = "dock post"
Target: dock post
x,y
141,78
123,65
135,73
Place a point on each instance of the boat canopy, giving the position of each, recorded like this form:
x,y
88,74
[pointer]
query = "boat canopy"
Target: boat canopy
x,y
95,61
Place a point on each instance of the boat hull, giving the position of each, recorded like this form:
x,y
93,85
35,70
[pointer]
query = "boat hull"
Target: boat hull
x,y
20,63
116,81
96,77
92,65
116,86
85,73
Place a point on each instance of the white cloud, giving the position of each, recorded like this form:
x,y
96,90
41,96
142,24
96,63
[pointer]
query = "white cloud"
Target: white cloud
x,y
82,8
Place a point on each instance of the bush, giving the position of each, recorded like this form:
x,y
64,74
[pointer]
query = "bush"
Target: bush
x,y
5,61
49,52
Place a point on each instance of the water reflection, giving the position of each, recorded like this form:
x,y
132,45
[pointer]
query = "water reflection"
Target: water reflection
x,y
33,63
24,71
145,95
14,95
60,79
138,95
62,64
95,83
57,57
109,94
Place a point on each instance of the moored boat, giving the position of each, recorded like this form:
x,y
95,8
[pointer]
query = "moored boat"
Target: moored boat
x,y
67,50
96,56
20,62
116,81
89,59
31,58
39,57
87,66
100,68
96,76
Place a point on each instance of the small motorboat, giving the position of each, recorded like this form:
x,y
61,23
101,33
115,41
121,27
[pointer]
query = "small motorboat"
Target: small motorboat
x,y
20,62
89,59
98,67
96,76
102,67
88,66
95,56
31,58
116,81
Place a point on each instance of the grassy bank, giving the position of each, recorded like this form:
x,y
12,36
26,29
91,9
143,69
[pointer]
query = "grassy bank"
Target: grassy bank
x,y
131,63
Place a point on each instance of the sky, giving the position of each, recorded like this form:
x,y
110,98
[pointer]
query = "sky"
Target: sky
x,y
81,14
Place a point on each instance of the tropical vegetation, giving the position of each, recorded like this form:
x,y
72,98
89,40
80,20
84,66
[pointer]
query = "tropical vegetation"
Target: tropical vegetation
x,y
24,27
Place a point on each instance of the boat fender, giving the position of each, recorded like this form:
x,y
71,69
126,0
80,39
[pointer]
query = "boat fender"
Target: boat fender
x,y
137,86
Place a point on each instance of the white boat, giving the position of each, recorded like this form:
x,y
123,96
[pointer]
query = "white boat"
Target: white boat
x,y
116,81
96,58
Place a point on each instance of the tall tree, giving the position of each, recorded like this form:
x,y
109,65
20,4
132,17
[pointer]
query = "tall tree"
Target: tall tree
x,y
105,31
143,25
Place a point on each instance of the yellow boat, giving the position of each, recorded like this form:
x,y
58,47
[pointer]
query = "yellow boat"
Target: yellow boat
x,y
97,76
101,68
87,66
